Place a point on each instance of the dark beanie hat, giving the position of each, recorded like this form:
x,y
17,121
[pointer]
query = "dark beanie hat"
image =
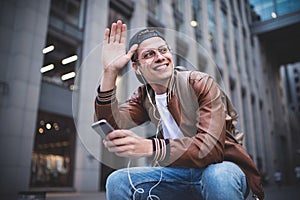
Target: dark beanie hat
x,y
142,35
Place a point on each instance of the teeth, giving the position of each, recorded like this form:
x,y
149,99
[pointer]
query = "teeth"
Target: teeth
x,y
160,67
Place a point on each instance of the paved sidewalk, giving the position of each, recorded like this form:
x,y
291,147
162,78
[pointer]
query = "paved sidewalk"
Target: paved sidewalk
x,y
291,192
76,196
286,192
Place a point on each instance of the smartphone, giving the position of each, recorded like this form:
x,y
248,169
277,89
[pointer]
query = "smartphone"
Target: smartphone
x,y
102,127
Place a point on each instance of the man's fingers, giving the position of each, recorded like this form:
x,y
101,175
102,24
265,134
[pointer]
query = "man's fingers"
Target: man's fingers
x,y
106,35
124,34
116,142
118,31
132,50
118,149
113,32
116,134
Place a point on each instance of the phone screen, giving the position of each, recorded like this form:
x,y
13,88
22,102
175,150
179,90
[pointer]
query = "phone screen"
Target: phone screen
x,y
102,127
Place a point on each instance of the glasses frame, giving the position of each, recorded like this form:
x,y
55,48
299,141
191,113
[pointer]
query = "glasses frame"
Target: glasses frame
x,y
156,51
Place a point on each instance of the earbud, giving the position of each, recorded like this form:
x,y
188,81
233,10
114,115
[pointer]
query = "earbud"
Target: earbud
x,y
138,72
142,80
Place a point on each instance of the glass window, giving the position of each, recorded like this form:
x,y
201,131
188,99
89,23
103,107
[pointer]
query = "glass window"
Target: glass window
x,y
120,10
62,51
60,61
211,17
226,44
178,5
263,8
247,60
287,6
115,15
178,10
236,45
197,19
225,24
268,9
70,11
52,162
154,9
212,24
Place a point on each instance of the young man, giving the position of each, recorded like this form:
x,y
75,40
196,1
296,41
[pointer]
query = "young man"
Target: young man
x,y
194,155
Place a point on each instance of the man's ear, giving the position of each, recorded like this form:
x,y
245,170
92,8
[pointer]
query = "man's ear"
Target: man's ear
x,y
136,68
138,74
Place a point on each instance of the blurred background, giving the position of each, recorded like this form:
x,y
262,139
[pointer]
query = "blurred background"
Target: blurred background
x,y
254,43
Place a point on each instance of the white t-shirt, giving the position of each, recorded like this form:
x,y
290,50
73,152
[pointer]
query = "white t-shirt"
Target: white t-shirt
x,y
169,125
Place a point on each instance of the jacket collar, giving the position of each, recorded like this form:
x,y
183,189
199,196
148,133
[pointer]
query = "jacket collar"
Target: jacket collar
x,y
172,99
171,86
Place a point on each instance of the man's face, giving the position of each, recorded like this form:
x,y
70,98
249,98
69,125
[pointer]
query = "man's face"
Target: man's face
x,y
155,61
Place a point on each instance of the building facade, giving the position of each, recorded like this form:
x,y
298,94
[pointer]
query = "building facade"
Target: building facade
x,y
51,67
276,25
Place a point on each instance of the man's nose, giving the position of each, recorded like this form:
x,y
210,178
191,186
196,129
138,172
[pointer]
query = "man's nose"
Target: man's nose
x,y
159,56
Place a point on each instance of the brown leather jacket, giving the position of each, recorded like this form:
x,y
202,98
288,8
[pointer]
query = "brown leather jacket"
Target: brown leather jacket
x,y
199,107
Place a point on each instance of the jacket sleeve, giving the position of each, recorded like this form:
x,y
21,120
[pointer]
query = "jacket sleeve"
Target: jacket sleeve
x,y
207,145
120,116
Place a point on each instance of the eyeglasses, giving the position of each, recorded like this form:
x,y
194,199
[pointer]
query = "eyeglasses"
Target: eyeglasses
x,y
151,53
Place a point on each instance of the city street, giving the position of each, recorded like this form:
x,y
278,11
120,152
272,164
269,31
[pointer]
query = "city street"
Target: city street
x,y
271,192
286,192
283,193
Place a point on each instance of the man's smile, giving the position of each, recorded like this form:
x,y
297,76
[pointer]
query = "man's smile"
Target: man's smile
x,y
161,67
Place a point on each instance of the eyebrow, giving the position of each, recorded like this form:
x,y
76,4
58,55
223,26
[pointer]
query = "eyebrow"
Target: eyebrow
x,y
155,48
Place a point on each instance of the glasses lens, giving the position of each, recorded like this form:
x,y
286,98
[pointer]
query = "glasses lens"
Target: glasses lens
x,y
163,49
148,54
153,52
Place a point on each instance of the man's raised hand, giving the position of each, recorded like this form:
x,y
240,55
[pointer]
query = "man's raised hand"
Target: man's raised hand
x,y
114,56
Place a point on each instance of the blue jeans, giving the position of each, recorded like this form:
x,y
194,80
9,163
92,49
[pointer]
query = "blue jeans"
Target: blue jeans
x,y
217,181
